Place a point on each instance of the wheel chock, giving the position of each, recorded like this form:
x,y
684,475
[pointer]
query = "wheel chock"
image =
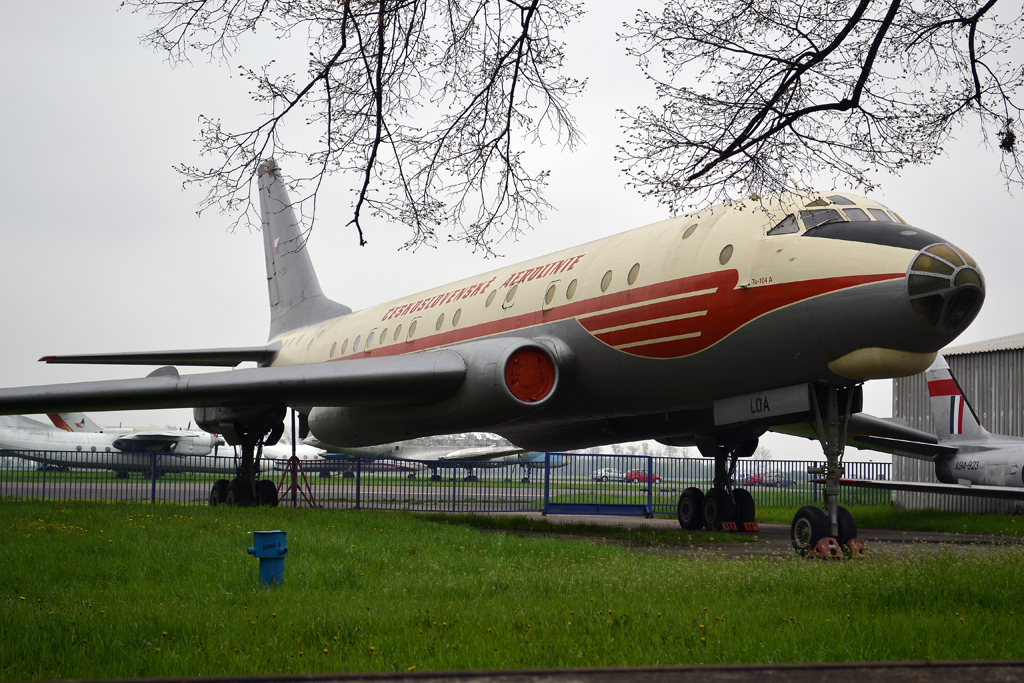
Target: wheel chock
x,y
751,526
727,526
856,546
827,548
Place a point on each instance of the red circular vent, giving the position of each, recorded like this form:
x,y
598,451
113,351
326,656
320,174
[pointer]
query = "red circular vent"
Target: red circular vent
x,y
529,374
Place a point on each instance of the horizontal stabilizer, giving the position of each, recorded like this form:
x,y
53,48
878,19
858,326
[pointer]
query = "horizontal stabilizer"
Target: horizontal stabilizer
x,y
413,379
229,357
910,449
1002,492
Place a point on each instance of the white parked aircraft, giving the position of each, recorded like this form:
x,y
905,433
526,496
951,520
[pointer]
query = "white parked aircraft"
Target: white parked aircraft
x,y
87,437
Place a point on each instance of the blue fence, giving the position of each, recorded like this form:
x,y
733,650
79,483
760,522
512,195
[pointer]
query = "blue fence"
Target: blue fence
x,y
561,483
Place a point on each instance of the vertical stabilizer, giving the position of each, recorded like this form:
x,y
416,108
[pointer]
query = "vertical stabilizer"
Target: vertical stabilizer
x,y
955,419
74,422
295,296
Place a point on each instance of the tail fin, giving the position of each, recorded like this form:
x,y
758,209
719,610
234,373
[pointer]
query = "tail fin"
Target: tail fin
x,y
73,422
295,296
955,419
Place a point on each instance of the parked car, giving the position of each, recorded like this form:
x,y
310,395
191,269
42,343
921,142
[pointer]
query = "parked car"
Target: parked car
x,y
755,480
640,476
780,480
607,474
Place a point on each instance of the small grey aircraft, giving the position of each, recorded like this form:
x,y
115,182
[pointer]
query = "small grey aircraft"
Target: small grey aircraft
x,y
701,330
451,451
969,460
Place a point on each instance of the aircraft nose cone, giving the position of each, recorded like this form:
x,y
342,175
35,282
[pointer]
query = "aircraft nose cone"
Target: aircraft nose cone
x,y
946,288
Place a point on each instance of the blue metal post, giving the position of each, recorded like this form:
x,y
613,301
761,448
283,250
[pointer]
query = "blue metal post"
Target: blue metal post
x,y
451,506
650,486
547,481
44,478
815,486
359,471
152,495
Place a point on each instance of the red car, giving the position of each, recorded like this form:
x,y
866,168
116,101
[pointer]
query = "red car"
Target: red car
x,y
639,476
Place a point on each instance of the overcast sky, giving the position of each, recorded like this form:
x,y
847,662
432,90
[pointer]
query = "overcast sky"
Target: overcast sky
x,y
102,249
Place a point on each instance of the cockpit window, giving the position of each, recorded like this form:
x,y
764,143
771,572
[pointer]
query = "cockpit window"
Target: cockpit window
x,y
839,199
880,215
786,226
813,219
856,214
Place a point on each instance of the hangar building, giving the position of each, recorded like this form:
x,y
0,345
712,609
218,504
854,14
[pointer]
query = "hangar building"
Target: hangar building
x,y
991,374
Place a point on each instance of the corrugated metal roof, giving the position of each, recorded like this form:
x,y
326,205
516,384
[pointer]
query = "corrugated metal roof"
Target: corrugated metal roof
x,y
1007,343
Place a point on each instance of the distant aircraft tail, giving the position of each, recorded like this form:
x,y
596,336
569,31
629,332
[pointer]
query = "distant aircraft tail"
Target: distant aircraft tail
x,y
73,422
955,419
296,299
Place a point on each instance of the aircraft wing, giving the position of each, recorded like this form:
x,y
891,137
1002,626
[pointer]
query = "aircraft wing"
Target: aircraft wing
x,y
927,487
228,357
885,435
158,436
482,453
412,379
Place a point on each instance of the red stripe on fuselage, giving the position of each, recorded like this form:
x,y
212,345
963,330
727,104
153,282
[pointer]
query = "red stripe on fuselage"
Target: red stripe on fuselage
x,y
943,387
728,308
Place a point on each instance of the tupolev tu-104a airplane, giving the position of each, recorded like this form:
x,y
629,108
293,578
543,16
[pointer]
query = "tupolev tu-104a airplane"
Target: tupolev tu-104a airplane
x,y
704,329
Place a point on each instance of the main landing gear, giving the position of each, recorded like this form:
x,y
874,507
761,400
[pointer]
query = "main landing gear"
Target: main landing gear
x,y
722,508
245,490
825,533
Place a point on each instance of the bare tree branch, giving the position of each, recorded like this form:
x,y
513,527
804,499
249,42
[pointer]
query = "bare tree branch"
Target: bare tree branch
x,y
754,92
426,102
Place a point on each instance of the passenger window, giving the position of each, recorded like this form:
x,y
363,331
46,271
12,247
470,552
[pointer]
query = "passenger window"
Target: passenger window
x,y
633,274
813,219
355,344
369,341
398,332
786,226
726,254
840,199
570,291
310,343
383,336
412,328
880,215
606,281
440,321
856,214
689,230
344,347
510,297
549,295
334,347
457,317
490,298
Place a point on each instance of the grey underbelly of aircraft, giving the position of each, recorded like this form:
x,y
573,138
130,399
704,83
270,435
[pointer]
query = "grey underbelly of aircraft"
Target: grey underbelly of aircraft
x,y
803,342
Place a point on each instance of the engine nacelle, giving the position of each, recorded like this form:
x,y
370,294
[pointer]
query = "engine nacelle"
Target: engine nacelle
x,y
200,444
506,378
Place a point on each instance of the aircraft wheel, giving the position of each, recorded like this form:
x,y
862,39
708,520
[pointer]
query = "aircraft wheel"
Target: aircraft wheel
x,y
412,476
325,474
435,477
267,492
526,480
348,475
809,526
219,492
604,479
847,527
121,474
471,477
717,508
690,509
745,509
239,494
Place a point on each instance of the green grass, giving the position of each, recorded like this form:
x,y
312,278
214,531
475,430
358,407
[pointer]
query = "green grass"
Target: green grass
x,y
119,590
533,525
888,517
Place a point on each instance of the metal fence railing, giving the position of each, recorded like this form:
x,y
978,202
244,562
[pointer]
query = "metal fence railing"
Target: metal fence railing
x,y
561,483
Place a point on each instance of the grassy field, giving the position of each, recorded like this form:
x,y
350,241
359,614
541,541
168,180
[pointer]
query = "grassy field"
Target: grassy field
x,y
118,590
888,517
